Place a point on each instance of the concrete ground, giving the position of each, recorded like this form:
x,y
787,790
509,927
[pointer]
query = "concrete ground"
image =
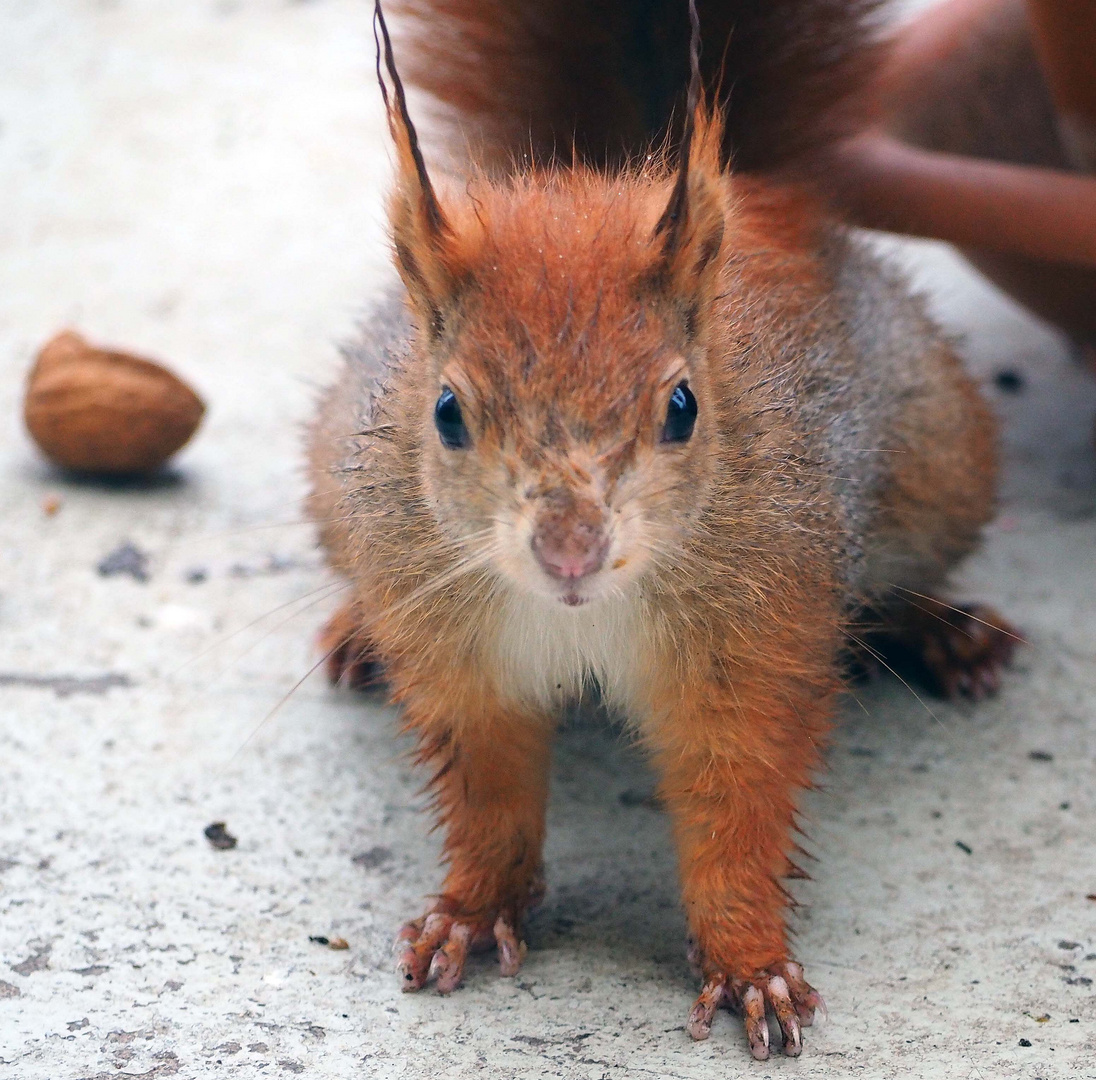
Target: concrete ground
x,y
202,182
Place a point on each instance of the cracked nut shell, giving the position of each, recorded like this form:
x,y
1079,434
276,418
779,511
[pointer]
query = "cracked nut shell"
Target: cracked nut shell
x,y
99,411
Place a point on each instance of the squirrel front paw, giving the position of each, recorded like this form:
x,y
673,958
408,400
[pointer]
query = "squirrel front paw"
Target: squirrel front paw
x,y
437,946
350,657
780,989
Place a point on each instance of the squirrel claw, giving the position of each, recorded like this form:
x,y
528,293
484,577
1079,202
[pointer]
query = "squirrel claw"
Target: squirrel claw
x,y
511,948
437,947
781,990
699,1024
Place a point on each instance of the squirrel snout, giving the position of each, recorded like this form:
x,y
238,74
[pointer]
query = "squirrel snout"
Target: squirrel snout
x,y
570,554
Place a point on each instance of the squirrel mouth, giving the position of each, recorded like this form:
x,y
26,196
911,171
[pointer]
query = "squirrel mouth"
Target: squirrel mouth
x,y
572,599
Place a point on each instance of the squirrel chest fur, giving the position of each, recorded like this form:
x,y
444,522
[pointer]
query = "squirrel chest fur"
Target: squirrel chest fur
x,y
667,431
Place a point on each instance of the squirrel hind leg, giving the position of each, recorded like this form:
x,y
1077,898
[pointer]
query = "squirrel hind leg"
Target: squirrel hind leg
x,y
955,651
351,658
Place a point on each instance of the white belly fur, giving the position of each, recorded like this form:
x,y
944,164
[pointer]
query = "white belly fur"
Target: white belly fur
x,y
546,654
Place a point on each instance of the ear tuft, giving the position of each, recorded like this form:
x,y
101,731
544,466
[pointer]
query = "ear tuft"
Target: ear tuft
x,y
422,236
690,230
694,240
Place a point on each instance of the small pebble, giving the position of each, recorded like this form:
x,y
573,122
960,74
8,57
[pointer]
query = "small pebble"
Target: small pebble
x,y
1041,755
127,558
964,847
219,837
196,575
373,858
1025,1042
51,504
336,943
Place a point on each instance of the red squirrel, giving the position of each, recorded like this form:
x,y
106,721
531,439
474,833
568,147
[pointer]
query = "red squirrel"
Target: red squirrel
x,y
646,423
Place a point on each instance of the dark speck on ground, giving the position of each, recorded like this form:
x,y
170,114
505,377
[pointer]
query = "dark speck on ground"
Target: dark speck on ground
x,y
373,858
219,837
127,558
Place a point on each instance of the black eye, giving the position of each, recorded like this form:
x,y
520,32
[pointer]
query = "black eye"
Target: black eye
x,y
449,422
680,415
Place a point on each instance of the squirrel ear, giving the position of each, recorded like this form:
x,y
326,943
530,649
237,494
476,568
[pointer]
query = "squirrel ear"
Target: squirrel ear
x,y
423,238
690,230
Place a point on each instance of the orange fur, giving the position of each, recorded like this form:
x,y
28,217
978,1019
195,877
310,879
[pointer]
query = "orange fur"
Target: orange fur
x,y
562,309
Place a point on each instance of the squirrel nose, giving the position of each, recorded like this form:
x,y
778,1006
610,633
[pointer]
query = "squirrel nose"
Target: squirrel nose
x,y
571,555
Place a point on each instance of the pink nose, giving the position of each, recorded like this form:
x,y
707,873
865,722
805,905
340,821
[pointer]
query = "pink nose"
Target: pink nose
x,y
576,554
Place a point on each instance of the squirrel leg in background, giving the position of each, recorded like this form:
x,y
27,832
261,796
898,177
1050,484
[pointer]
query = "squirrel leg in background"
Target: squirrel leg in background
x,y
938,499
350,657
989,99
490,782
730,776
957,651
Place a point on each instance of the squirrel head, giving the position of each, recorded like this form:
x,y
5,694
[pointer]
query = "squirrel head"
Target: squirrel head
x,y
560,358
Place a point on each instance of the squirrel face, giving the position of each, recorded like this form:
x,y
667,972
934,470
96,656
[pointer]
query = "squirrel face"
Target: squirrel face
x,y
567,418
566,413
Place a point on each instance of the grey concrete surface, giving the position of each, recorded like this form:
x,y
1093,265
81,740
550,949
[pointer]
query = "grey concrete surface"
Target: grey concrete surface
x,y
201,181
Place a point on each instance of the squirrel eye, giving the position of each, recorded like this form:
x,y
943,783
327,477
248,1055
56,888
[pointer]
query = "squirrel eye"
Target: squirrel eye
x,y
449,422
680,415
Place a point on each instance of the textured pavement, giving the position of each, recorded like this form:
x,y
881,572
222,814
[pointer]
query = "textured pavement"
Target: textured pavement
x,y
201,182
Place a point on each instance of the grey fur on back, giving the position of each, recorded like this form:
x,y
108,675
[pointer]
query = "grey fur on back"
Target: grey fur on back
x,y
848,387
863,380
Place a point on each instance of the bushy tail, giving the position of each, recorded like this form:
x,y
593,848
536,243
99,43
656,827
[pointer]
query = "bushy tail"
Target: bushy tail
x,y
607,78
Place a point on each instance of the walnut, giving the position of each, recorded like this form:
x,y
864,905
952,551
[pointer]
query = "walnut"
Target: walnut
x,y
100,411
